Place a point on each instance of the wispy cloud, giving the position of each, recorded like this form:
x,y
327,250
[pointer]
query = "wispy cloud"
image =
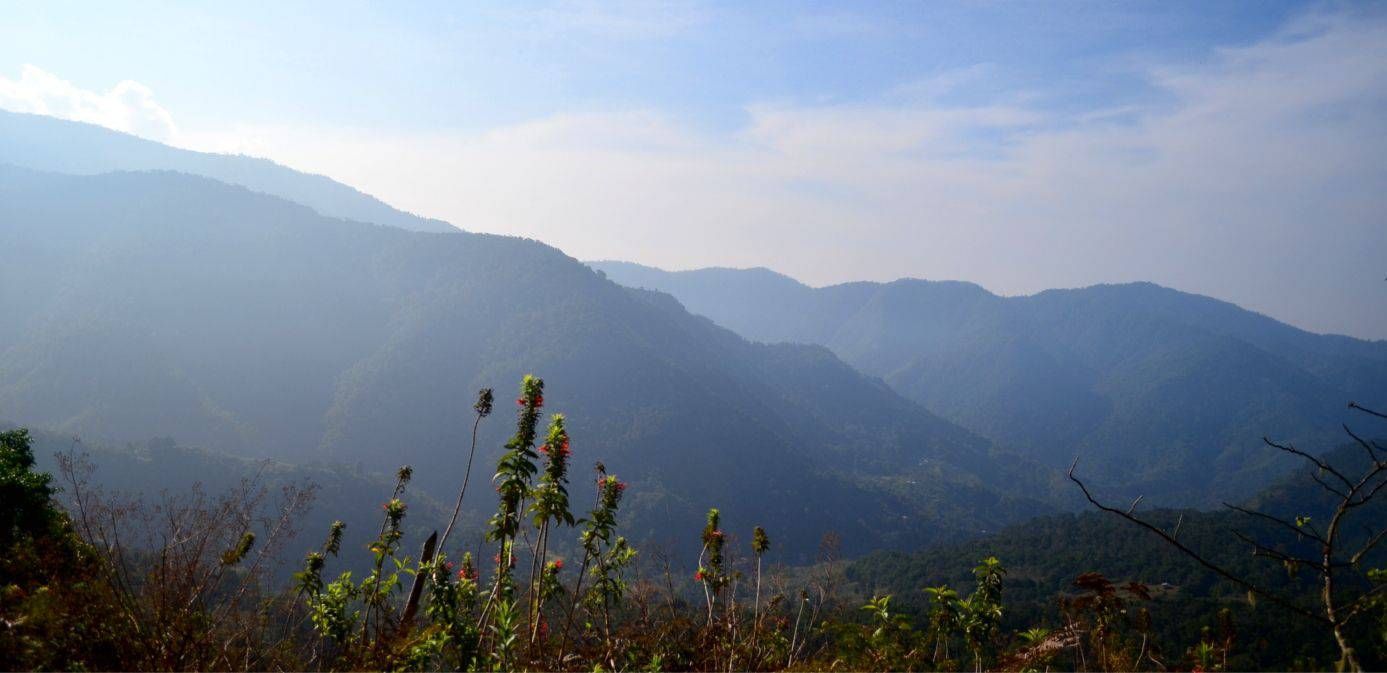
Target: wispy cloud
x,y
128,106
1260,160
1255,175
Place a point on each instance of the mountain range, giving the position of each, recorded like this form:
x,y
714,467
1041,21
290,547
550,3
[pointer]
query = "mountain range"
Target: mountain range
x,y
48,144
1156,391
253,311
160,303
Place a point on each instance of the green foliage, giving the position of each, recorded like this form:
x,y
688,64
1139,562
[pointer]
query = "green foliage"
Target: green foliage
x,y
26,493
331,609
516,468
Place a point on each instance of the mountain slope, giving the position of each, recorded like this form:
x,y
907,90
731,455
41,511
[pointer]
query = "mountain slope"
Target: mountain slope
x,y
1161,392
48,144
150,471
164,304
1045,555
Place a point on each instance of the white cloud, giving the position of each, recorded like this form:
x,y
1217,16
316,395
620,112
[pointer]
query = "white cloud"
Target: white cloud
x,y
1256,177
128,106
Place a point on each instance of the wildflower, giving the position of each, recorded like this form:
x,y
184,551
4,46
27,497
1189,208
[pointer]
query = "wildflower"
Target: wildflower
x,y
759,541
558,564
698,575
483,405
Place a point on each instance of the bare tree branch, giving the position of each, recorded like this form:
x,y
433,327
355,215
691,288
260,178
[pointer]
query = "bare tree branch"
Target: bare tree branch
x,y
1260,549
1298,530
1355,405
1325,467
1367,547
1372,455
1216,569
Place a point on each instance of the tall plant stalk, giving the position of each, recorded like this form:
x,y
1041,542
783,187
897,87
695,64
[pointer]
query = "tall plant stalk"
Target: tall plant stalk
x,y
483,409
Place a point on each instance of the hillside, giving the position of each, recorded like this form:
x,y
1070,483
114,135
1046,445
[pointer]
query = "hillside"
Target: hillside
x,y
162,304
1162,392
49,144
1045,555
158,468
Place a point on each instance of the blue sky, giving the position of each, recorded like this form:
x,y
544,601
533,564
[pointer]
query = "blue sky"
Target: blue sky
x,y
425,65
1226,148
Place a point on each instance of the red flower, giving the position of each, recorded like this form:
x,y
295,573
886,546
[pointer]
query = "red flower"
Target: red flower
x,y
448,566
698,576
558,564
621,486
539,401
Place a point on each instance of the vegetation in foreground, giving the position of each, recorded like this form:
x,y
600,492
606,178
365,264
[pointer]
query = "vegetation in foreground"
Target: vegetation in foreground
x,y
110,583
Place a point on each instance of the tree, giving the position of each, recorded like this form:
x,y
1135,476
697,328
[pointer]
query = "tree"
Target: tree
x,y
1349,590
26,507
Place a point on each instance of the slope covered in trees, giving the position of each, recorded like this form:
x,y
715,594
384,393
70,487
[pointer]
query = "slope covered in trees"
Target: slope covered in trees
x,y
161,304
1163,393
1046,555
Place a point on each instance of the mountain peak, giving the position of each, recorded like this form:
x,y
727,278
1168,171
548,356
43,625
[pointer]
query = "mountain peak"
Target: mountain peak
x,y
60,146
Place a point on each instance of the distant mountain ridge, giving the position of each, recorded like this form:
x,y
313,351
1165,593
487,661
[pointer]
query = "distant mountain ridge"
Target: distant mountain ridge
x,y
49,144
1162,392
163,304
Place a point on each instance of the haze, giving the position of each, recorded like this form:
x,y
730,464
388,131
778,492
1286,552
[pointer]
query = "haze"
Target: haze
x,y
1230,150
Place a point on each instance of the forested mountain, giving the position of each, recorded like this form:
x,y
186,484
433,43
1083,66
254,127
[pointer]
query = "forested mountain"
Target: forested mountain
x,y
163,304
1046,555
1161,392
50,144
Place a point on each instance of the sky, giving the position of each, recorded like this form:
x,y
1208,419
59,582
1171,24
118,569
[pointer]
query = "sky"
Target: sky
x,y
1234,149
